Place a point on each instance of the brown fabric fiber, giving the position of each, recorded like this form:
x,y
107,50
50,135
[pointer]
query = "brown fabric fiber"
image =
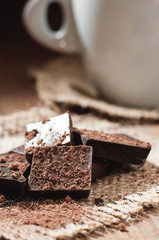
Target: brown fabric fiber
x,y
125,194
72,90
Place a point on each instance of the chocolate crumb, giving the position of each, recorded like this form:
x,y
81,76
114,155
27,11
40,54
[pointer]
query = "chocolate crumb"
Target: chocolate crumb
x,y
61,139
2,199
99,202
13,167
69,199
2,160
45,120
40,141
122,227
16,175
157,170
30,135
134,174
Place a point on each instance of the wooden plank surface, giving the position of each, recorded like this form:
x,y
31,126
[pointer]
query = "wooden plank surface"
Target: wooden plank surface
x,y
147,229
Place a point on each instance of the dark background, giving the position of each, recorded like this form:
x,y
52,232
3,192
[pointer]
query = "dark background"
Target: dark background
x,y
10,17
18,54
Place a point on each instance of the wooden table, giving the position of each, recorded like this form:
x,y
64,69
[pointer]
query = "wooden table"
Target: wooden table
x,y
147,229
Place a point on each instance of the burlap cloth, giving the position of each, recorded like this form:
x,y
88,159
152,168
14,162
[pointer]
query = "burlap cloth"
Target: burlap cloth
x,y
62,85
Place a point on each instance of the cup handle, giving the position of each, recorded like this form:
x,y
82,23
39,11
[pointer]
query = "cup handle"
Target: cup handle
x,y
35,20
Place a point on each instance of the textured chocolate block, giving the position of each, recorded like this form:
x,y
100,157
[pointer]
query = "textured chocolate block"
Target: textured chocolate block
x,y
13,172
115,147
51,132
61,170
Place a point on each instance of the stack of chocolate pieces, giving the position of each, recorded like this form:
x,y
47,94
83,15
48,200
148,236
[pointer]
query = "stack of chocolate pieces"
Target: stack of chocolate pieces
x,y
111,150
57,167
64,160
14,170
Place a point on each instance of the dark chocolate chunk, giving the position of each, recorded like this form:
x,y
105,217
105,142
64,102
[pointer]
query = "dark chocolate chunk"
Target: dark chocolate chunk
x,y
13,170
114,147
99,202
100,168
61,170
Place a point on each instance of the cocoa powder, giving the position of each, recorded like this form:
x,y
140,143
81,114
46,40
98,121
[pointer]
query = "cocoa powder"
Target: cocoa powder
x,y
30,135
45,213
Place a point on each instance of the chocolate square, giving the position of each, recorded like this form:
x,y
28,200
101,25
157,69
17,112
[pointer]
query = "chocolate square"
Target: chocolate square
x,y
61,170
115,147
13,172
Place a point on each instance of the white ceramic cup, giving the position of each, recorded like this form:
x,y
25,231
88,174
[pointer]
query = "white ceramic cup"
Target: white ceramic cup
x,y
118,40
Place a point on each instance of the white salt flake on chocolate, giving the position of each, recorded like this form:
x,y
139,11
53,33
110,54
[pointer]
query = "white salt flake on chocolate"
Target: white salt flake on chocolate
x,y
51,132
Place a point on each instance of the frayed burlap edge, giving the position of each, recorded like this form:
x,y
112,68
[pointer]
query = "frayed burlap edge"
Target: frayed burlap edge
x,y
63,84
95,219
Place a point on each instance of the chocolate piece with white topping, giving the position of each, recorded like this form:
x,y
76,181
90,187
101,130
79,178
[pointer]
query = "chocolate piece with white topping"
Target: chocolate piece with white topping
x,y
54,131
